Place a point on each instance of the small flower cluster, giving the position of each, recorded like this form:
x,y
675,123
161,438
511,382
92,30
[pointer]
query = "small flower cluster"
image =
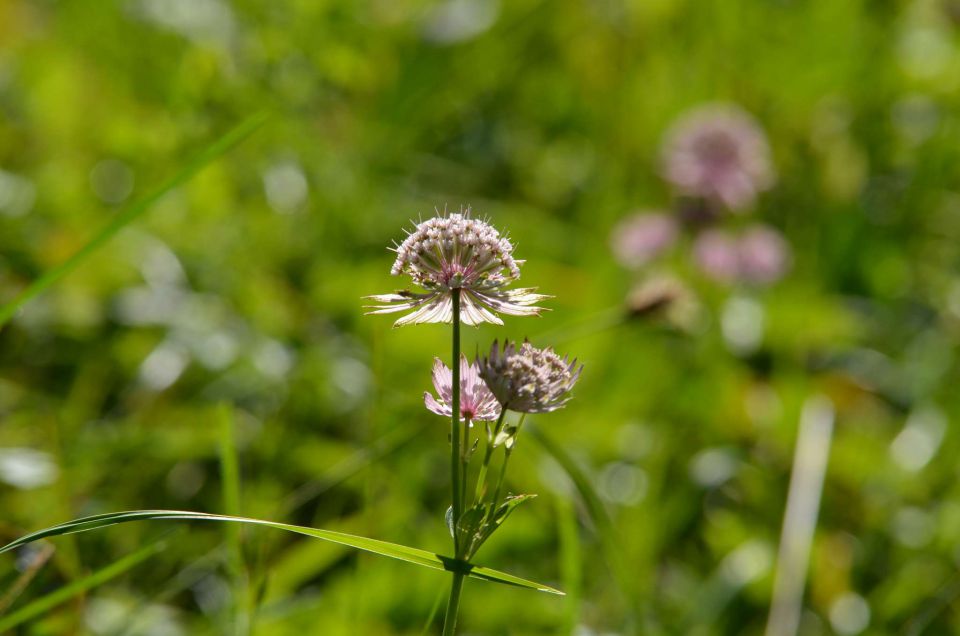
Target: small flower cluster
x,y
718,161
529,380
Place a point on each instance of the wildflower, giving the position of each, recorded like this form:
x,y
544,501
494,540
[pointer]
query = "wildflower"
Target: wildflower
x,y
456,254
718,152
529,380
715,251
476,400
640,238
764,255
760,255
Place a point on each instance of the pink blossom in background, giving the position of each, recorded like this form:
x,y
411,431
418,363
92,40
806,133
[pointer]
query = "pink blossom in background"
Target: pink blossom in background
x,y
718,152
764,255
760,255
639,238
715,252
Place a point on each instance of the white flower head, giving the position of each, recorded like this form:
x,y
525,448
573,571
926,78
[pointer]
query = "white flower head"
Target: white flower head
x,y
529,380
455,254
476,400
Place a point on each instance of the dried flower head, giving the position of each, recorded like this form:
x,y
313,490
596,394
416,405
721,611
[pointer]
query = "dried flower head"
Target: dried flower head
x,y
476,400
455,254
529,380
639,238
718,152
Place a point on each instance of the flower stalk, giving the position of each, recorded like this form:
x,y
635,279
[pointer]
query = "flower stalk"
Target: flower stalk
x,y
456,460
464,267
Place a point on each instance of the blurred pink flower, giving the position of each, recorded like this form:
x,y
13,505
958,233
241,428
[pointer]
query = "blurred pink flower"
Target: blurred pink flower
x,y
639,238
764,255
476,400
718,152
715,251
760,255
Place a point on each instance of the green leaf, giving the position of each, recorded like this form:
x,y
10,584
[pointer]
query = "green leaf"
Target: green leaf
x,y
498,516
383,548
46,603
131,213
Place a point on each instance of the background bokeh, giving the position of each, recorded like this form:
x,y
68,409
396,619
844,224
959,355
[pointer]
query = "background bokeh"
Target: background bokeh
x,y
548,117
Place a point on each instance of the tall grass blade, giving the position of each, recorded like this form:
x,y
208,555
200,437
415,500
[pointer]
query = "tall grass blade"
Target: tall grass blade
x,y
606,532
48,602
401,552
131,213
230,479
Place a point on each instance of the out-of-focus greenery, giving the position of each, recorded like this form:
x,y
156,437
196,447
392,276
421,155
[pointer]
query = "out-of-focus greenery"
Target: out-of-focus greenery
x,y
244,287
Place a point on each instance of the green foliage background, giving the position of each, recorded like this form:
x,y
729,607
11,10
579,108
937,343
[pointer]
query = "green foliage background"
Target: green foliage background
x,y
244,287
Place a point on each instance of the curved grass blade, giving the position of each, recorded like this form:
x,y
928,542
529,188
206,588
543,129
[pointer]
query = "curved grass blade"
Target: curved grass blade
x,y
383,548
606,531
131,213
65,593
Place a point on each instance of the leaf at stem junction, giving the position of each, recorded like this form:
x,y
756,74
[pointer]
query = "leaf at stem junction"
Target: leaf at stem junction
x,y
403,553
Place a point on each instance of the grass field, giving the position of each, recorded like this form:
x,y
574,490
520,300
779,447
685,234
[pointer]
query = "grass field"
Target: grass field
x,y
242,167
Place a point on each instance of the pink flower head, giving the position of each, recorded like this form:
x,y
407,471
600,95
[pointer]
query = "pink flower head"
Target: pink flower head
x,y
716,252
476,400
718,152
455,254
764,255
640,238
759,256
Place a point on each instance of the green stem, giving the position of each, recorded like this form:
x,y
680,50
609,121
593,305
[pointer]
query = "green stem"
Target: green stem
x,y
453,605
503,468
503,471
455,421
488,453
464,461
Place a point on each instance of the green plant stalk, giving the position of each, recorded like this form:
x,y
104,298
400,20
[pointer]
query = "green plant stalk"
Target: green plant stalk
x,y
455,421
45,604
230,477
507,450
453,604
131,213
464,461
487,455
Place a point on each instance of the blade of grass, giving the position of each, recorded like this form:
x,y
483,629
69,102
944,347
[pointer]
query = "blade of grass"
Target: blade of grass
x,y
810,457
350,466
48,602
433,612
571,559
36,564
230,478
132,212
401,552
606,532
